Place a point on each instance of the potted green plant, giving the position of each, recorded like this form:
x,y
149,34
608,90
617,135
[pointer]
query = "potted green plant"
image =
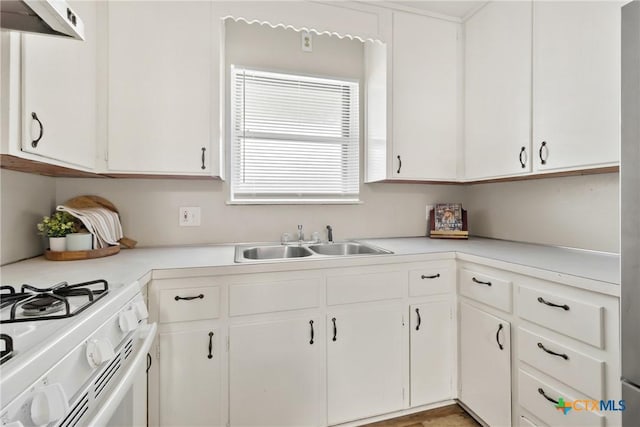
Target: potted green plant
x,y
56,227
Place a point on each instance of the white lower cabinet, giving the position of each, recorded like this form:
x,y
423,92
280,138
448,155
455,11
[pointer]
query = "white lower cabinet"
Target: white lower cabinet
x,y
431,352
364,362
190,378
342,345
276,373
485,365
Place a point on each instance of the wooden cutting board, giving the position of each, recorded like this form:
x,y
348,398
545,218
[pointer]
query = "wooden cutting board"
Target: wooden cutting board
x,y
78,255
83,202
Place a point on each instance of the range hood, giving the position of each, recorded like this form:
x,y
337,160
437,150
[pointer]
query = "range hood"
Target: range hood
x,y
53,17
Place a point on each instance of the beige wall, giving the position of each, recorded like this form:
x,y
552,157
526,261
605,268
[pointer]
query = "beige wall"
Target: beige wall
x,y
24,200
580,211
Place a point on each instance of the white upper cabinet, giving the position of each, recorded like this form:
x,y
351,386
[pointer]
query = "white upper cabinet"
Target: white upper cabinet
x,y
162,118
59,106
576,84
425,81
498,90
415,138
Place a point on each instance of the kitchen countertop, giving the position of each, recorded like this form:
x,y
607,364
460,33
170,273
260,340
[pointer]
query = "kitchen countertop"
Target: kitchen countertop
x,y
553,263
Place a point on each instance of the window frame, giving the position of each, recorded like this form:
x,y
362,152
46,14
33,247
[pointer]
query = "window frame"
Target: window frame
x,y
290,199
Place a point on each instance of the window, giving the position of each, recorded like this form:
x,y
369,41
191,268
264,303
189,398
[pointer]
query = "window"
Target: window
x,y
294,138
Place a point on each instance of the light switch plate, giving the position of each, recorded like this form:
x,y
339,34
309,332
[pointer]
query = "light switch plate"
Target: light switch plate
x,y
189,217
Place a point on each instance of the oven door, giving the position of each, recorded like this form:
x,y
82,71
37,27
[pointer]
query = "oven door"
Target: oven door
x,y
126,402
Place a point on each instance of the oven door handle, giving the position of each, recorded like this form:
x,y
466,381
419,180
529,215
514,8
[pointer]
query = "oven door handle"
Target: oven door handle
x,y
108,408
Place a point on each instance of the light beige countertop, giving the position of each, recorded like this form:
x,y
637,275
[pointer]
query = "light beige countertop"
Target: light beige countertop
x,y
572,266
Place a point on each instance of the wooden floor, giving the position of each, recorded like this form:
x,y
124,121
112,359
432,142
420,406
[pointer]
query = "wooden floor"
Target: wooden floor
x,y
447,416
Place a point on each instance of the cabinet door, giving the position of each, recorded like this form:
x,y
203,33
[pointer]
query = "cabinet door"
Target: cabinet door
x,y
498,90
190,378
425,82
485,365
160,86
431,352
276,373
59,88
364,362
576,84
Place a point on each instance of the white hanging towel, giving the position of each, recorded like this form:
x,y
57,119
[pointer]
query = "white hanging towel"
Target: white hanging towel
x,y
103,223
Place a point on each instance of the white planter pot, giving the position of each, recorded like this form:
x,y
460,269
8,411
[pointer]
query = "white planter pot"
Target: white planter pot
x,y
57,244
79,241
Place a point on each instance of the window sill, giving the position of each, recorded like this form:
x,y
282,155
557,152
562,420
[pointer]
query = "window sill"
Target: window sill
x,y
295,202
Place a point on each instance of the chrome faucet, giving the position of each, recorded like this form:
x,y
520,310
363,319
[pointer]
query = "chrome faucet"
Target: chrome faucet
x,y
329,234
300,234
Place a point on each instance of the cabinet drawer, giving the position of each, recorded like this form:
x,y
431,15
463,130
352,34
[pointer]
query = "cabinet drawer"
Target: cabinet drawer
x,y
430,281
486,289
377,286
179,305
575,369
569,316
256,298
532,400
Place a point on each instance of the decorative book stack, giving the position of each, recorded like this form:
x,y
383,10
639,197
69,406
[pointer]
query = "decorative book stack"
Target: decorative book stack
x,y
448,221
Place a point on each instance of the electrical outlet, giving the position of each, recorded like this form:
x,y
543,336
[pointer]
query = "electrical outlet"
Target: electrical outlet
x,y
189,217
307,41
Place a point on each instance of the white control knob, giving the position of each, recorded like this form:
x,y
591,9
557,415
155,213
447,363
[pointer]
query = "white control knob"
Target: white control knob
x,y
99,351
128,321
49,404
141,310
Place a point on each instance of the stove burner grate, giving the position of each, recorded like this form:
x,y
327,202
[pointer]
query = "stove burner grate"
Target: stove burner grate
x,y
7,353
42,304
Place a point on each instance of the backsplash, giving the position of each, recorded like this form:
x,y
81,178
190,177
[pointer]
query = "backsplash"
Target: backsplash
x,y
580,211
25,199
149,211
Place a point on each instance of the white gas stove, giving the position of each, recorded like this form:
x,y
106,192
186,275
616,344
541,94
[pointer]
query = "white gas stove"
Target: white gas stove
x,y
71,352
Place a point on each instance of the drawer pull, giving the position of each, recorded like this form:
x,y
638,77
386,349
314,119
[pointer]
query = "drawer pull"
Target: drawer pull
x,y
210,356
399,164
311,325
201,296
335,329
541,300
498,336
543,161
34,143
564,356
419,319
481,282
541,391
523,151
435,276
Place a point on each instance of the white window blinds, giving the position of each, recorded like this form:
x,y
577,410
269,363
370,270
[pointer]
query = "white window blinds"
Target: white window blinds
x,y
294,137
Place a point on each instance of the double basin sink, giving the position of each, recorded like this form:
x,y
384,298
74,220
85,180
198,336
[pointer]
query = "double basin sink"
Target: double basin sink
x,y
314,250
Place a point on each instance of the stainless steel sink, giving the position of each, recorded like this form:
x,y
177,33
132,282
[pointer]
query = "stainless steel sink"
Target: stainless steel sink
x,y
276,252
346,248
296,251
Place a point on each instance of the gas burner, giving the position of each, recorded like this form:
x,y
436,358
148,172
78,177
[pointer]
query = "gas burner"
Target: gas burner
x,y
43,304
